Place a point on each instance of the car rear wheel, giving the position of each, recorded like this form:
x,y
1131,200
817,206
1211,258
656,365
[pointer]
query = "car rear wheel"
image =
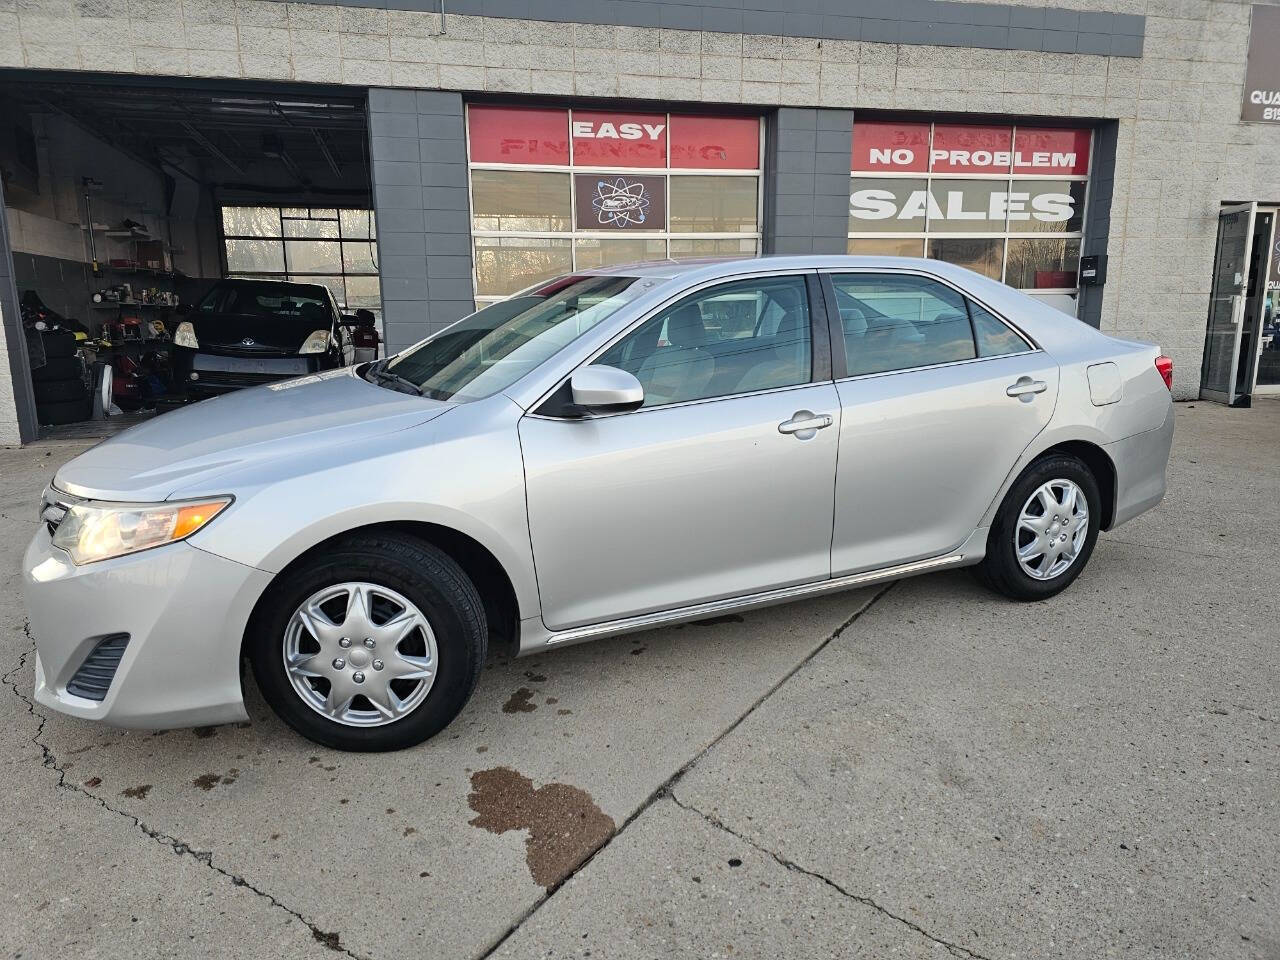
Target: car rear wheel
x,y
374,644
1044,531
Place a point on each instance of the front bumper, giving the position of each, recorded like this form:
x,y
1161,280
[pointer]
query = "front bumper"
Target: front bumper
x,y
184,611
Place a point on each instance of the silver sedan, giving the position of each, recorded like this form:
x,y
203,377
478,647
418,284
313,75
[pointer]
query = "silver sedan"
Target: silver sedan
x,y
600,453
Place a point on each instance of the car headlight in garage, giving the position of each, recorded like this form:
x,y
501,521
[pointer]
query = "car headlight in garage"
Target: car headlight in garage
x,y
316,342
91,532
185,335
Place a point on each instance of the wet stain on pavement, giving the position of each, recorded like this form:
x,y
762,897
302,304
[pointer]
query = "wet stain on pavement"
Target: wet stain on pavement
x,y
565,826
206,781
520,702
138,793
204,733
93,782
535,677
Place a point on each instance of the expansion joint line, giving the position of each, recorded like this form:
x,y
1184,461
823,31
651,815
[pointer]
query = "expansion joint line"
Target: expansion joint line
x,y
331,940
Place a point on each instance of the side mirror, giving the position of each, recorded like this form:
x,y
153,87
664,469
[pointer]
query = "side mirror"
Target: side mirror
x,y
602,389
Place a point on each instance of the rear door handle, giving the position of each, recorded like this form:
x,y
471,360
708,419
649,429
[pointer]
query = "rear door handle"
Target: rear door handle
x,y
1025,387
805,424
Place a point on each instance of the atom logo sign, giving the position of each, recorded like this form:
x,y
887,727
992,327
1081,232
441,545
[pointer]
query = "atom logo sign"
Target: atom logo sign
x,y
608,201
620,202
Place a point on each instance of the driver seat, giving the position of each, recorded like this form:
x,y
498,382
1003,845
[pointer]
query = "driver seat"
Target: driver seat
x,y
683,370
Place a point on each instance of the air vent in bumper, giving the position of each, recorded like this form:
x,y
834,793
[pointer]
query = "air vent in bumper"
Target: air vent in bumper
x,y
93,679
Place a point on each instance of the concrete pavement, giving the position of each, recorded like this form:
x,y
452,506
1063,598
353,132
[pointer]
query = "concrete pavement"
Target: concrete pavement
x,y
922,771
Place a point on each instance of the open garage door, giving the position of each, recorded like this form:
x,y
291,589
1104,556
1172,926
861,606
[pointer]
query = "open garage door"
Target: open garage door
x,y
172,242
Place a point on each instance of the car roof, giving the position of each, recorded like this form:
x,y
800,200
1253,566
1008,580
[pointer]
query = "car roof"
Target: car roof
x,y
712,267
265,282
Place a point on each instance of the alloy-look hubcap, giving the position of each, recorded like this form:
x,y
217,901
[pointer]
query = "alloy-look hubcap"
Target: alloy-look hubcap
x,y
1052,529
360,654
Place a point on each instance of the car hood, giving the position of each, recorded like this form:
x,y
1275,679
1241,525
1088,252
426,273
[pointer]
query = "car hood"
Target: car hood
x,y
150,461
286,334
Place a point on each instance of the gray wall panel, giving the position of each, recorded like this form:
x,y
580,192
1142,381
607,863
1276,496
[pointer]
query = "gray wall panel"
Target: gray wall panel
x,y
418,155
994,26
806,181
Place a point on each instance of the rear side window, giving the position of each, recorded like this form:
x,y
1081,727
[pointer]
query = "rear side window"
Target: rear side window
x,y
900,322
993,337
895,322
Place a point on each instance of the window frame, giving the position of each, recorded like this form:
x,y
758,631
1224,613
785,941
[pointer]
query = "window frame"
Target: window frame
x,y
929,177
820,341
572,168
835,327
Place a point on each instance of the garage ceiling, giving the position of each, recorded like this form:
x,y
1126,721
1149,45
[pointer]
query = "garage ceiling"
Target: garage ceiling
x,y
238,142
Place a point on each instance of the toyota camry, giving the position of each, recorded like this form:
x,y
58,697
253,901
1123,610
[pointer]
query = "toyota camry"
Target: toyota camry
x,y
603,452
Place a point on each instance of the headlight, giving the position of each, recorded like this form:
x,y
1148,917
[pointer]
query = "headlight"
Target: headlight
x,y
91,532
185,335
317,342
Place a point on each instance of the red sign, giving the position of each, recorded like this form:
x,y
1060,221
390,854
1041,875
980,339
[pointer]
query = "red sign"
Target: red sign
x,y
890,147
518,135
971,149
619,139
715,143
1050,150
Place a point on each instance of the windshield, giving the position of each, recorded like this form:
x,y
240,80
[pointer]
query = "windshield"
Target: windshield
x,y
283,300
488,351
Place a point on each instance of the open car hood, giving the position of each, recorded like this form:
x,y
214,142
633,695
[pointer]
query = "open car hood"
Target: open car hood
x,y
150,461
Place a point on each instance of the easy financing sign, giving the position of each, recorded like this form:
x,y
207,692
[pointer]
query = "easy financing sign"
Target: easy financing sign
x,y
1262,68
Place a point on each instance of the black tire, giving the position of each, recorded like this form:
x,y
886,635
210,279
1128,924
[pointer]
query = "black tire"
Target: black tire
x,y
417,571
54,391
60,344
63,411
1000,569
58,368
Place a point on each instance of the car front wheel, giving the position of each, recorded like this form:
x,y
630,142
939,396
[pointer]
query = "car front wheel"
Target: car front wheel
x,y
375,643
1045,530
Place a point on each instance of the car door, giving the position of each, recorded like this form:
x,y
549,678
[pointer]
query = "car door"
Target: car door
x,y
721,485
939,397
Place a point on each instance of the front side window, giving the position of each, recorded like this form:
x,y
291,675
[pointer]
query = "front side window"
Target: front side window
x,y
488,351
900,322
734,338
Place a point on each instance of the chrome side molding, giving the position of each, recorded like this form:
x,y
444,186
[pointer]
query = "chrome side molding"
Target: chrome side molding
x,y
713,608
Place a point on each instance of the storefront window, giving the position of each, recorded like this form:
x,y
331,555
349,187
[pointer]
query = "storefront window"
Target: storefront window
x,y
506,200
507,264
1043,264
887,246
310,245
973,253
557,190
965,192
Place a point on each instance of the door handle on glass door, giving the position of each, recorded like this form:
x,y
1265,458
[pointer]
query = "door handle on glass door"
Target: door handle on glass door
x,y
805,424
1025,387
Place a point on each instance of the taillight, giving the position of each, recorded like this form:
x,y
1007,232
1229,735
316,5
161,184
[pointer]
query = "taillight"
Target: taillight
x,y
1165,366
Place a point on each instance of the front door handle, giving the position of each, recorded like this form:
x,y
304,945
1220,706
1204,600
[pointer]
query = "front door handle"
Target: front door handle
x,y
805,424
1025,387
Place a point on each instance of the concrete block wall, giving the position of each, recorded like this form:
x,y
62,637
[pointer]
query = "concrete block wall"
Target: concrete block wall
x,y
1174,97
17,420
419,172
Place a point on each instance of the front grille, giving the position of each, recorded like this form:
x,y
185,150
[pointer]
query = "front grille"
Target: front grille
x,y
93,679
225,380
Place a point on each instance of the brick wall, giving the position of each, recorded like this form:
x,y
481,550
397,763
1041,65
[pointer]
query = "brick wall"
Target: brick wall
x,y
1179,149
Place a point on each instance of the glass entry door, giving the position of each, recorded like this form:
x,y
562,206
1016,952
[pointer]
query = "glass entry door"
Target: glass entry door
x,y
1222,375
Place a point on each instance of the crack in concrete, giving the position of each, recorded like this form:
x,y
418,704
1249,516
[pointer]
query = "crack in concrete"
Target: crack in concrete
x,y
955,949
328,939
665,788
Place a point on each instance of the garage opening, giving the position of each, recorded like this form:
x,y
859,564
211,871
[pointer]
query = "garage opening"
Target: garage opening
x,y
171,243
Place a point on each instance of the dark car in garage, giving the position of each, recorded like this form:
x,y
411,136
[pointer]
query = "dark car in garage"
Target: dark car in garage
x,y
246,332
